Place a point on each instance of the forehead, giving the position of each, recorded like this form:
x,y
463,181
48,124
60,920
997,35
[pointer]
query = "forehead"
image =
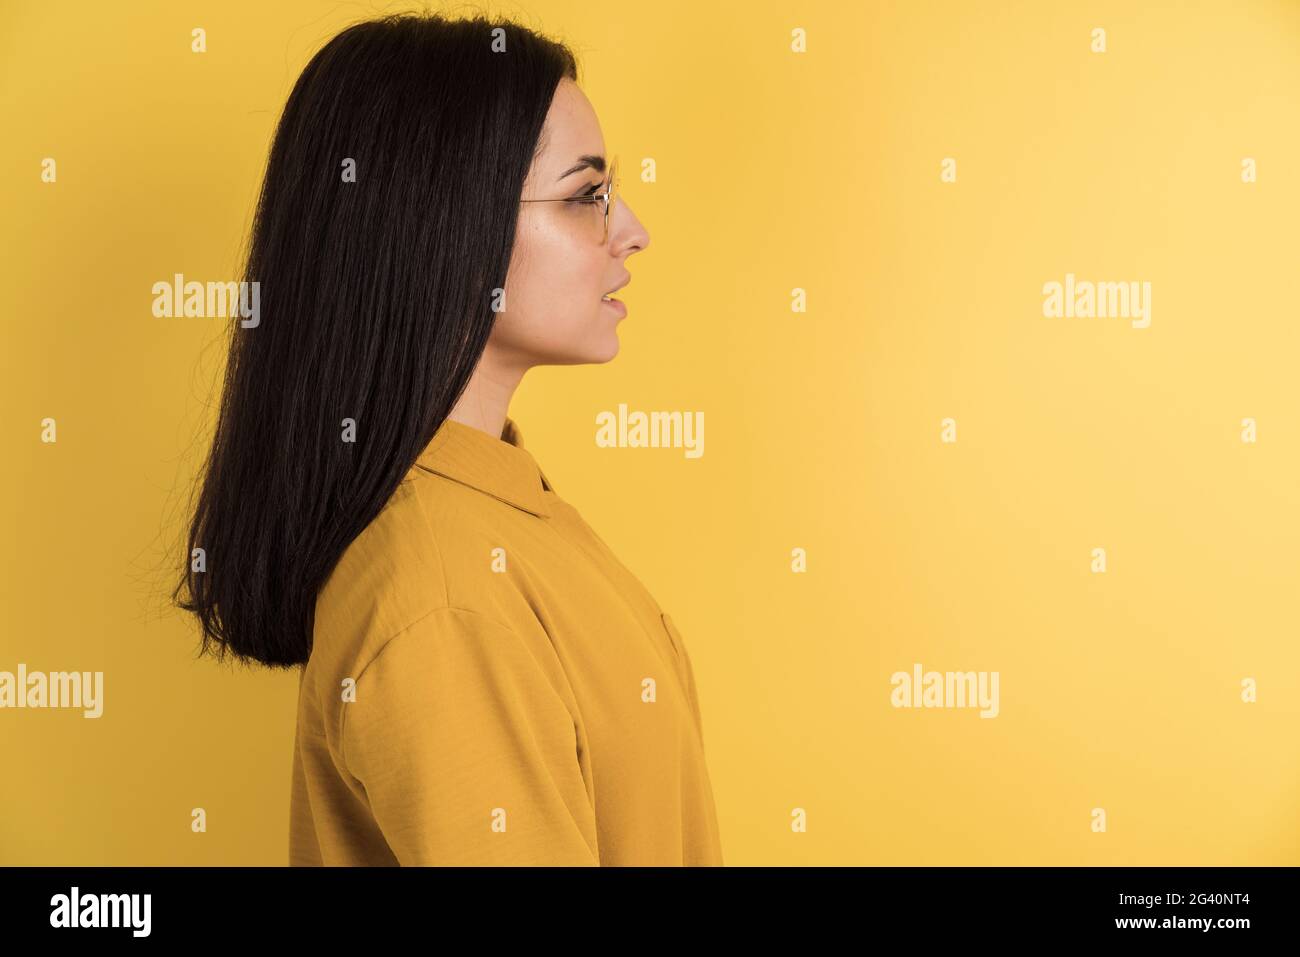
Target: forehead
x,y
571,130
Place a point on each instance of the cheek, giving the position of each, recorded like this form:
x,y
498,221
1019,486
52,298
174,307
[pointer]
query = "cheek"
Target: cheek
x,y
554,279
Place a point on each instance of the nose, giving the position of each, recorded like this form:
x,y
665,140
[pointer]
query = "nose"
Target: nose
x,y
626,233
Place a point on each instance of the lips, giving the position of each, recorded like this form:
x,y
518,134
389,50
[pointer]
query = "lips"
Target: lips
x,y
608,296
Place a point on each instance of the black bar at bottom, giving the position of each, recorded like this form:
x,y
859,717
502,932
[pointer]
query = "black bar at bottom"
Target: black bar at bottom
x,y
551,906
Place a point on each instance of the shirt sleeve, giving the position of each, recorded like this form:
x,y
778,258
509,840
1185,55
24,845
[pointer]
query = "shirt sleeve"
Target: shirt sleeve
x,y
467,754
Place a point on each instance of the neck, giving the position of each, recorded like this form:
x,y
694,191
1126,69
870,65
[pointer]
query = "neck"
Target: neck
x,y
485,403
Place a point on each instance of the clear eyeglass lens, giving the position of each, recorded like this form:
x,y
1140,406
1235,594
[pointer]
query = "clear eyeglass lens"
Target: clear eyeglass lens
x,y
611,197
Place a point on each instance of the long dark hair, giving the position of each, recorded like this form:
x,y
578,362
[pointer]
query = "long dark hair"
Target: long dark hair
x,y
376,295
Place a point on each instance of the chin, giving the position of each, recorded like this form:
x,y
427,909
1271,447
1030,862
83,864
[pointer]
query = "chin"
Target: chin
x,y
605,350
601,344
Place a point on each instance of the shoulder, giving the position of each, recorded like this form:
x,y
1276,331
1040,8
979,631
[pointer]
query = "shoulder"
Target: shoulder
x,y
387,577
429,549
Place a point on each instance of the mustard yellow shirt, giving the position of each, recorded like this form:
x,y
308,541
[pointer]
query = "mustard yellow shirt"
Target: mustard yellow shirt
x,y
489,685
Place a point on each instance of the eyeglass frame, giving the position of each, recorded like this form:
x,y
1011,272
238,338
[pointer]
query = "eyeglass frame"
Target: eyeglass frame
x,y
609,196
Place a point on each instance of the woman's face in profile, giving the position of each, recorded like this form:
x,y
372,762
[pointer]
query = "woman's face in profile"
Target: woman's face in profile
x,y
560,268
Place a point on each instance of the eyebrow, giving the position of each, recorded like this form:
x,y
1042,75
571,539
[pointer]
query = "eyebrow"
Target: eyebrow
x,y
585,162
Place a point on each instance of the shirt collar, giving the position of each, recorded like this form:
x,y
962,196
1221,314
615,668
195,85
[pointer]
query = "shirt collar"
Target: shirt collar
x,y
502,467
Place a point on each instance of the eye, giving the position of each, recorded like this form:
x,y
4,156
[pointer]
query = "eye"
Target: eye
x,y
583,199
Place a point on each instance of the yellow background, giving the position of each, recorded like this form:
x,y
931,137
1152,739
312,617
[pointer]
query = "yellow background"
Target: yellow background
x,y
776,170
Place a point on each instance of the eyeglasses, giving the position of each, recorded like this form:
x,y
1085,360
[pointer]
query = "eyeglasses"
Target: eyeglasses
x,y
606,195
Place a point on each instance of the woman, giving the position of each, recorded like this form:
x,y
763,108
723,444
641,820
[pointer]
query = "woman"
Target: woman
x,y
483,681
